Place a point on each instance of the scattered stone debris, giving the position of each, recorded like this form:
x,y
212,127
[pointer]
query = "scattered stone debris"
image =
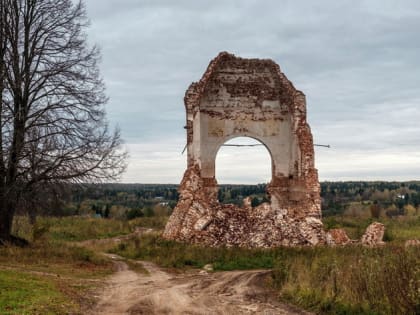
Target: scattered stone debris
x,y
337,237
374,234
239,97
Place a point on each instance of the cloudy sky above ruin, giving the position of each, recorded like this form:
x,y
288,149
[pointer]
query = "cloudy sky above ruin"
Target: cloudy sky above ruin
x,y
358,62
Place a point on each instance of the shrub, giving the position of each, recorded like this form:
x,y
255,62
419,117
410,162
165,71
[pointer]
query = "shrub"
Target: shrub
x,y
134,213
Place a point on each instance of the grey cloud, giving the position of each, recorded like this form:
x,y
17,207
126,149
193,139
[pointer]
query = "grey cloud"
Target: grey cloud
x,y
356,61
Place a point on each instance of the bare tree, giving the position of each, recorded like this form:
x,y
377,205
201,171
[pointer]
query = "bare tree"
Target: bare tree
x,y
52,127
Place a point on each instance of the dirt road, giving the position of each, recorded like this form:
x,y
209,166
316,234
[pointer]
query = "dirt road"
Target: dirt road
x,y
195,292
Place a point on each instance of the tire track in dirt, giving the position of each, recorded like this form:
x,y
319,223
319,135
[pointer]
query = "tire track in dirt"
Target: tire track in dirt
x,y
193,292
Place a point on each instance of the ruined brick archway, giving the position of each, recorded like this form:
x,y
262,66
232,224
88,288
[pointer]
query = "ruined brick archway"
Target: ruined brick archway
x,y
248,98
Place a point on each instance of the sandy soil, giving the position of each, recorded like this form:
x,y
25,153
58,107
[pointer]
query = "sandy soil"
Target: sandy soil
x,y
195,292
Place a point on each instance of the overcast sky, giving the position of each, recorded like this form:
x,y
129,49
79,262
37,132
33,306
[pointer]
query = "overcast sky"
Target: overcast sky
x,y
358,62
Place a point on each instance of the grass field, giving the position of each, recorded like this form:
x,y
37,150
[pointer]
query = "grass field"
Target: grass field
x,y
397,230
25,293
70,228
49,277
54,274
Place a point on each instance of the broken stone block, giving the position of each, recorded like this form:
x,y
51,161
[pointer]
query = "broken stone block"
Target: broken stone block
x,y
374,234
247,202
202,223
337,237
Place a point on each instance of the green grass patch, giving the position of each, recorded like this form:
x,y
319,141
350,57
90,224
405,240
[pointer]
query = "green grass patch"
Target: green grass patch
x,y
58,258
49,277
172,254
81,228
314,301
23,293
156,222
78,228
403,228
353,280
55,275
398,229
137,267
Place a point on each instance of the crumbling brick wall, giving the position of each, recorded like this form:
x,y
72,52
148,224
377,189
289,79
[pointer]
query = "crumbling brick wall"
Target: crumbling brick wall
x,y
253,98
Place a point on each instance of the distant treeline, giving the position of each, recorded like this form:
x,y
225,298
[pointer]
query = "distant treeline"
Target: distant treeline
x,y
391,197
143,199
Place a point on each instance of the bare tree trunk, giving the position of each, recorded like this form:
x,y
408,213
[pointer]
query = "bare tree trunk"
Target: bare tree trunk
x,y
52,120
6,220
8,171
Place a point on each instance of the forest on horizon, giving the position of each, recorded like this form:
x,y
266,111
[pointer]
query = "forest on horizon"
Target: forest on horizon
x,y
128,201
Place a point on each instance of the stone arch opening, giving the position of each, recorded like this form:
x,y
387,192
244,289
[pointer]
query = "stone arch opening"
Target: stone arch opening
x,y
253,151
243,172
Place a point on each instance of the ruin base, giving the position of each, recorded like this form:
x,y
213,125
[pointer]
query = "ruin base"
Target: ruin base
x,y
200,218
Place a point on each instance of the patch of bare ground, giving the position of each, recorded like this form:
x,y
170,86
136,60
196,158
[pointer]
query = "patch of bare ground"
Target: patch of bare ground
x,y
192,292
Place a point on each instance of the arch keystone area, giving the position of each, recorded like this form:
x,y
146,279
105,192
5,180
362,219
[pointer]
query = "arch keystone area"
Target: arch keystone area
x,y
239,97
